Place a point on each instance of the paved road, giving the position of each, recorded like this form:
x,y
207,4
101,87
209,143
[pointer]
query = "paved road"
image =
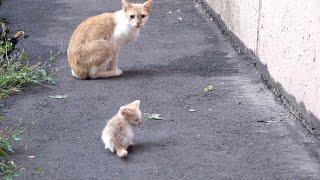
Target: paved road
x,y
167,70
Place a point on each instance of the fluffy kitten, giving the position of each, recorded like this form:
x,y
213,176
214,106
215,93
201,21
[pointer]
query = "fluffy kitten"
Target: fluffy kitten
x,y
117,135
95,44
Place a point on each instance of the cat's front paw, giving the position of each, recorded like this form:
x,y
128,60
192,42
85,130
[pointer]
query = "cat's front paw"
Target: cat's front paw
x,y
122,153
118,72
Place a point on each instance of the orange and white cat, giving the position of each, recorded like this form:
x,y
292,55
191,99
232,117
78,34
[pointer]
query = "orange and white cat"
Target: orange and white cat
x,y
96,43
117,135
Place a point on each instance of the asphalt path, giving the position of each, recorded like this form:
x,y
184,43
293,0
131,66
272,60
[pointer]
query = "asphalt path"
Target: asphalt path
x,y
239,130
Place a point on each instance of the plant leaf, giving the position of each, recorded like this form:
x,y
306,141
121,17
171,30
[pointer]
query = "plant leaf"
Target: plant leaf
x,y
16,137
149,116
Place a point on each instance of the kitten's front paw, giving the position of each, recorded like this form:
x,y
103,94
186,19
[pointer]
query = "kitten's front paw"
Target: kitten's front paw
x,y
122,153
110,149
118,72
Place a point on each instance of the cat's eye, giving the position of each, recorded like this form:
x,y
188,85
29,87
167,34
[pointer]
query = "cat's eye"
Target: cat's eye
x,y
132,16
143,16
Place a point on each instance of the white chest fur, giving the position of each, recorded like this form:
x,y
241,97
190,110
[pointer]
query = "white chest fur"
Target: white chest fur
x,y
124,32
128,138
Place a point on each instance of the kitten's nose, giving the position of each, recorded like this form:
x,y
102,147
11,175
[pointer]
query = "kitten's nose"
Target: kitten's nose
x,y
138,25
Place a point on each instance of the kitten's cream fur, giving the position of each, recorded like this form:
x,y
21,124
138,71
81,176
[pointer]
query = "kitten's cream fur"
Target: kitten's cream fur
x,y
96,43
117,135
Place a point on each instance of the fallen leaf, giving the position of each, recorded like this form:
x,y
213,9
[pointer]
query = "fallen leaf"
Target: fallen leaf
x,y
59,96
263,121
39,170
208,89
15,90
149,116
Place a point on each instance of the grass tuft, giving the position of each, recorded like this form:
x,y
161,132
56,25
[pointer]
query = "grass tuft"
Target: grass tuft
x,y
16,73
8,169
15,70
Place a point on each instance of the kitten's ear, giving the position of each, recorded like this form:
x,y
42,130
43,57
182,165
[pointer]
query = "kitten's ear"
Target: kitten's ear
x,y
125,4
136,103
124,111
147,5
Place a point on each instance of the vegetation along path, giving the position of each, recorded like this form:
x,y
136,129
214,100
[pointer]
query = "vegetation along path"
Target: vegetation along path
x,y
235,130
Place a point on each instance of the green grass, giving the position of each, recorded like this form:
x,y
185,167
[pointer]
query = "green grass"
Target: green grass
x,y
7,138
15,70
16,73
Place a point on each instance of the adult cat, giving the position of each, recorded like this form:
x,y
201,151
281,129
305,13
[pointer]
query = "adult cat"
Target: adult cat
x,y
95,44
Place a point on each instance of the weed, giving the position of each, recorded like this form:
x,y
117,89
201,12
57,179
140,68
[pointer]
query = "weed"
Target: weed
x,y
15,71
7,137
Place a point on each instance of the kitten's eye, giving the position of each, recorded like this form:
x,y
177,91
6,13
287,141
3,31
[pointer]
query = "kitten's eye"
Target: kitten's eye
x,y
132,16
143,16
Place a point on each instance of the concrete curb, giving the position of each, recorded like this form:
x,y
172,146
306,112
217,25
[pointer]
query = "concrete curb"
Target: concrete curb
x,y
309,120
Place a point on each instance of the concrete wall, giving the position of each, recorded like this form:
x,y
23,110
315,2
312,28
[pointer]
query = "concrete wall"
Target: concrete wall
x,y
241,17
285,36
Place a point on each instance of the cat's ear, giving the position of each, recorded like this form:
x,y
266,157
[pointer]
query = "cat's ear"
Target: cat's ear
x,y
125,4
147,5
136,103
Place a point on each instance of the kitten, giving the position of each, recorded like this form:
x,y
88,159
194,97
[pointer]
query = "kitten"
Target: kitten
x,y
117,135
96,43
